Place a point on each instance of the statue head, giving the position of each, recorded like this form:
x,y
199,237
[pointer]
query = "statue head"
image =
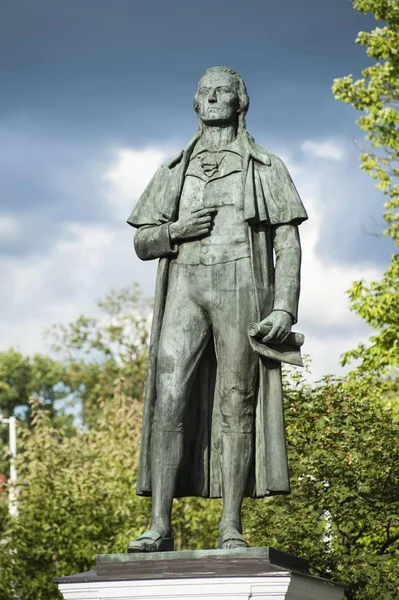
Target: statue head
x,y
221,98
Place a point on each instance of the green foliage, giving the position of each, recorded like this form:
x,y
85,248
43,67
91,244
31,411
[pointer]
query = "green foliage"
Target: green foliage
x,y
22,377
76,498
77,494
378,304
343,510
3,508
195,523
376,94
98,351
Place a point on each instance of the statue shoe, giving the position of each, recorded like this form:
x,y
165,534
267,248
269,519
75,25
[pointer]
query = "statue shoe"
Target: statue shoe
x,y
151,541
231,538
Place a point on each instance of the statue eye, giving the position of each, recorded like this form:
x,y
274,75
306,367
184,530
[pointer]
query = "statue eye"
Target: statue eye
x,y
203,91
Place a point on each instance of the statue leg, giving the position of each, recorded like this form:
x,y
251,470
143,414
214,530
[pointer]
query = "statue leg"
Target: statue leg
x,y
237,375
185,332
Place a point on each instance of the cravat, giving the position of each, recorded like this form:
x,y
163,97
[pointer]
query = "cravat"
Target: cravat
x,y
209,163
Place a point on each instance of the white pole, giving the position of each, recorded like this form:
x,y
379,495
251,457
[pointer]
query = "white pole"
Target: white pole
x,y
13,469
12,445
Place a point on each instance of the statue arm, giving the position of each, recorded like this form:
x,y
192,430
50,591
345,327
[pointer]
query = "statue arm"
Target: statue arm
x,y
151,220
153,241
287,249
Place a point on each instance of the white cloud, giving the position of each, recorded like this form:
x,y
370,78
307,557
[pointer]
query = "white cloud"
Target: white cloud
x,y
129,174
323,284
329,149
66,283
324,311
82,266
324,315
8,227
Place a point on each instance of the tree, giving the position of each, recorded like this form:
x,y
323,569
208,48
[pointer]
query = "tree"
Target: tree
x,y
77,493
343,511
22,377
77,498
378,304
376,94
97,351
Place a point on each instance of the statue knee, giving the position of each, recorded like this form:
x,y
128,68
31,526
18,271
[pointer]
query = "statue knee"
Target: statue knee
x,y
168,414
237,412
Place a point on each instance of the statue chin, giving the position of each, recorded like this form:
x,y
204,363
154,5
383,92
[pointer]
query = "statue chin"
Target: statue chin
x,y
218,120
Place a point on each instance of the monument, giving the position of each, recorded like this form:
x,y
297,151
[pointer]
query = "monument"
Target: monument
x,y
222,219
215,215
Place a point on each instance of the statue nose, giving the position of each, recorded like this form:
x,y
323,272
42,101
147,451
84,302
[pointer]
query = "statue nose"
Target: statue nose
x,y
212,97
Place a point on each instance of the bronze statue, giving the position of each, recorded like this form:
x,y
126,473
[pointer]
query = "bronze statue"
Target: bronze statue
x,y
222,218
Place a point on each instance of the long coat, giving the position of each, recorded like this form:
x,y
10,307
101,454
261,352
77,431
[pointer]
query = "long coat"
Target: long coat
x,y
270,199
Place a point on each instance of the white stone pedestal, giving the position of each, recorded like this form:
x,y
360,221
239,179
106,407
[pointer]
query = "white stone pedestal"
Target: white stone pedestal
x,y
251,573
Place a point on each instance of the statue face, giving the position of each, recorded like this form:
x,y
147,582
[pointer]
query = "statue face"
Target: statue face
x,y
217,99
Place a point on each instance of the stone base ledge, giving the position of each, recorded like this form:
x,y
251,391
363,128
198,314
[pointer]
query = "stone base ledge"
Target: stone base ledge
x,y
242,574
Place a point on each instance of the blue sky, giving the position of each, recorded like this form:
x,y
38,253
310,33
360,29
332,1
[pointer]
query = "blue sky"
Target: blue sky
x,y
96,93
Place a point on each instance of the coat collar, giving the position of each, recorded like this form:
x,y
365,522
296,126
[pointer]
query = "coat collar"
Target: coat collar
x,y
251,150
234,148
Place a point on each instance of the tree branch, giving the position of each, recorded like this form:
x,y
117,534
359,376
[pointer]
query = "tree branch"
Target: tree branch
x,y
388,543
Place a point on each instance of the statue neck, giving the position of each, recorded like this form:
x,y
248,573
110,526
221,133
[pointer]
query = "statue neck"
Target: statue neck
x,y
218,137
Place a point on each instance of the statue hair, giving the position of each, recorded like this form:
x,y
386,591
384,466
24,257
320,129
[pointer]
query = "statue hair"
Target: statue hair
x,y
243,98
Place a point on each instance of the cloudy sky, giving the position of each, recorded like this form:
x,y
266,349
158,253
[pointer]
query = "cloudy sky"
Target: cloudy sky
x,y
95,94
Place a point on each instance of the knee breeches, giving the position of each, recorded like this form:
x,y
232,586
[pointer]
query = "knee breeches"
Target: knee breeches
x,y
205,301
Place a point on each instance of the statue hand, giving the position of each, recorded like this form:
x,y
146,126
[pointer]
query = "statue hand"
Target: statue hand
x,y
193,225
280,323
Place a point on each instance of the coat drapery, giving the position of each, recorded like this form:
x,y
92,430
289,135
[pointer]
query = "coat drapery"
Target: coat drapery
x,y
270,199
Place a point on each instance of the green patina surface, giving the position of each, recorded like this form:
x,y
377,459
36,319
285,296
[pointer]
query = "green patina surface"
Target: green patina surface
x,y
222,218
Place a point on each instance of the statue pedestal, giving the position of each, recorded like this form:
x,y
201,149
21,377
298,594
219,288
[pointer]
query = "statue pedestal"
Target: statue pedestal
x,y
256,573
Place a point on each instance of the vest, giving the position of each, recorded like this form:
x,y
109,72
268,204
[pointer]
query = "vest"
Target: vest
x,y
223,190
